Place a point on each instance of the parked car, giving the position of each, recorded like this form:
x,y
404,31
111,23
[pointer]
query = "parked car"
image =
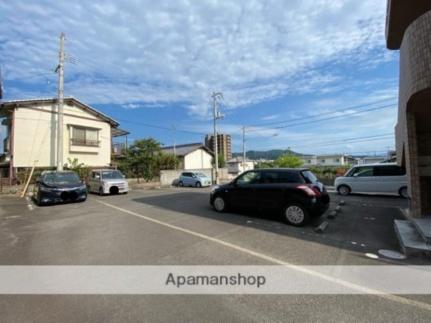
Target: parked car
x,y
58,187
295,193
373,178
194,179
107,181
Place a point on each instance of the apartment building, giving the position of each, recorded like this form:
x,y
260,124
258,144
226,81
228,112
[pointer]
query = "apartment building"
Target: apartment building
x,y
224,144
408,29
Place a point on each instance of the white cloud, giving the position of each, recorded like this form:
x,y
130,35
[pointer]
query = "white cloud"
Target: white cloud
x,y
140,53
270,117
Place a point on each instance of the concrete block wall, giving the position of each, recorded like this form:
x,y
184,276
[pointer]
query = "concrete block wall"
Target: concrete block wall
x,y
167,177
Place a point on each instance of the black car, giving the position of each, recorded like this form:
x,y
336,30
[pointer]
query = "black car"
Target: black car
x,y
295,193
59,187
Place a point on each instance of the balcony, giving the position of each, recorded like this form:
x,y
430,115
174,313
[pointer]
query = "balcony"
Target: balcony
x,y
119,150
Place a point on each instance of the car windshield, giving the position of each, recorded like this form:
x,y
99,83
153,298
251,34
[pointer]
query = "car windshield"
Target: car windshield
x,y
61,178
309,177
115,174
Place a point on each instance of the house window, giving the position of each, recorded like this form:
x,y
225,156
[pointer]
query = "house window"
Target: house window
x,y
85,137
322,161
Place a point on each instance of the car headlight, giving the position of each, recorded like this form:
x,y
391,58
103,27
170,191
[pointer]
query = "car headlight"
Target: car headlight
x,y
214,188
45,189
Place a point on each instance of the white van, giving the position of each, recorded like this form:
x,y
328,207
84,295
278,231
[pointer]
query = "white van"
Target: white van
x,y
373,178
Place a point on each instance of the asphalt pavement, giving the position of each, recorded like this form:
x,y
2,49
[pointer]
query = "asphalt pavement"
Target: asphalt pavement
x,y
176,226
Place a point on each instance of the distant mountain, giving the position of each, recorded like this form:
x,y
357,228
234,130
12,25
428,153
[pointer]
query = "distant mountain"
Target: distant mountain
x,y
268,154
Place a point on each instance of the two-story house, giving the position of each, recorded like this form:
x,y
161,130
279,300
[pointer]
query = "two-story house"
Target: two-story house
x,y
31,134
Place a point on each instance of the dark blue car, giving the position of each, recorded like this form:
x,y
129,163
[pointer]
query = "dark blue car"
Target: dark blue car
x,y
59,187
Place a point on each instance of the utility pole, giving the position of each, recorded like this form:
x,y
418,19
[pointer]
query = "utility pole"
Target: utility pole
x,y
60,70
215,96
1,84
243,148
175,145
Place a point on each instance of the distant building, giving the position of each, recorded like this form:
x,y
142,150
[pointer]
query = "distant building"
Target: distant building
x,y
191,156
224,144
328,160
237,166
371,159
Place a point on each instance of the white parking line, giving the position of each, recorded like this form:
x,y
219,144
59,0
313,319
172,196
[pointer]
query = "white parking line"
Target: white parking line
x,y
29,204
360,289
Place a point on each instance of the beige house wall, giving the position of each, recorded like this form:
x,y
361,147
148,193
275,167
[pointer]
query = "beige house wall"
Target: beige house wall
x,y
35,133
198,159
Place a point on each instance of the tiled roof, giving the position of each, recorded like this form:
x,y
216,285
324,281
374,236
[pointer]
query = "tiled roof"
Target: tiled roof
x,y
182,150
66,100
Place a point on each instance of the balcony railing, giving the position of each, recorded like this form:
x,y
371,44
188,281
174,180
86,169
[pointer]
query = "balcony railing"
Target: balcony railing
x,y
84,142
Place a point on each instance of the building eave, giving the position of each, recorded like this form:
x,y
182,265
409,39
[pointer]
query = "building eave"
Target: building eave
x,y
12,104
400,14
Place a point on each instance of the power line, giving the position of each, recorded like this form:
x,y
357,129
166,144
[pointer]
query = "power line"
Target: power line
x,y
345,142
347,114
322,114
356,138
160,127
348,140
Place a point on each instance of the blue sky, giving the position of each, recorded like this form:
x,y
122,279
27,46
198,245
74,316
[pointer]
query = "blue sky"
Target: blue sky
x,y
157,62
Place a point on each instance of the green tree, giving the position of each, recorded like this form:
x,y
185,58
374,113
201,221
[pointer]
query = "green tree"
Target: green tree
x,y
167,161
221,161
290,161
79,168
143,159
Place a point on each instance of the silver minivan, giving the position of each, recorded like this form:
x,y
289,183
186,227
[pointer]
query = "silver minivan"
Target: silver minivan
x,y
107,181
388,178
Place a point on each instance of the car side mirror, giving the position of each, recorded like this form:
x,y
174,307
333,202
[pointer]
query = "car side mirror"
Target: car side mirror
x,y
355,175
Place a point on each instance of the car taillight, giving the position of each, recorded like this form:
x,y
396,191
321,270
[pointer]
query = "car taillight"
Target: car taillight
x,y
316,190
311,191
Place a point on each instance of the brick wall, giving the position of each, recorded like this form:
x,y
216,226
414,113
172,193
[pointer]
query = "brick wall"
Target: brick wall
x,y
415,80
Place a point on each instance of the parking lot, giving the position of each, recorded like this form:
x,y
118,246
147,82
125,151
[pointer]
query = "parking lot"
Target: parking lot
x,y
176,226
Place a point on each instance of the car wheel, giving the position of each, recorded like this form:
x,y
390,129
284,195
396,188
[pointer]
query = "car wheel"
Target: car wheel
x,y
343,190
198,184
101,191
180,184
404,192
219,204
295,214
